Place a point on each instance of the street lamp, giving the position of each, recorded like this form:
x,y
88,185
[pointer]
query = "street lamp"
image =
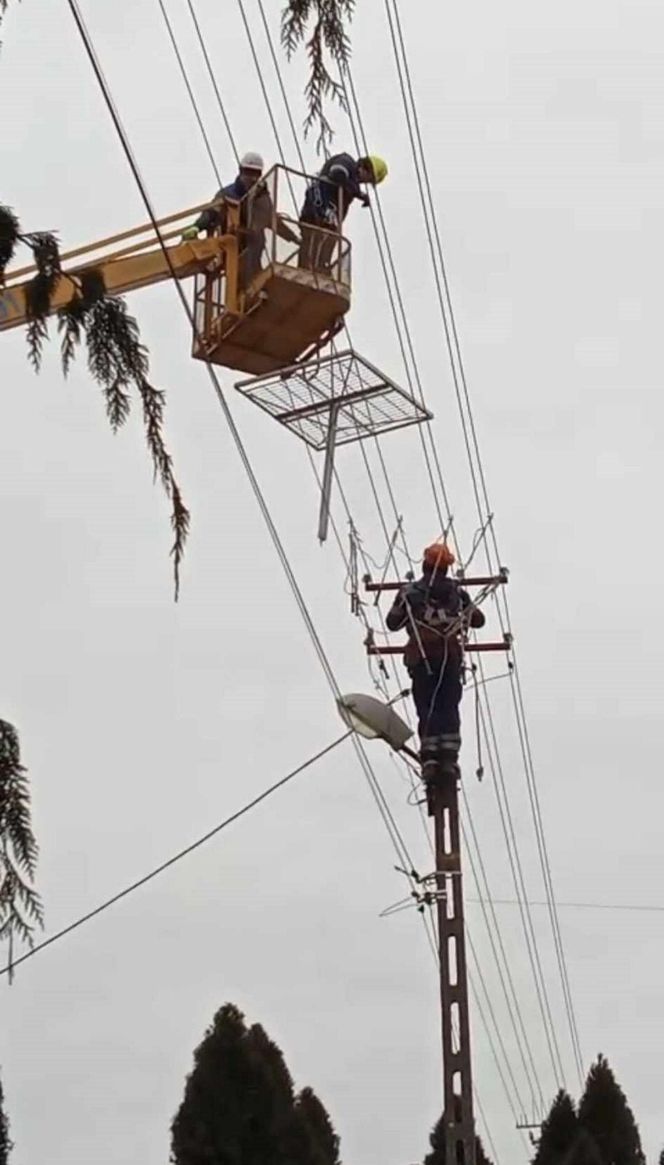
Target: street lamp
x,y
374,720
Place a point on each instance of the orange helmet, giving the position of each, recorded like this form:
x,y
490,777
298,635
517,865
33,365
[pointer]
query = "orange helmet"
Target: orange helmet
x,y
438,555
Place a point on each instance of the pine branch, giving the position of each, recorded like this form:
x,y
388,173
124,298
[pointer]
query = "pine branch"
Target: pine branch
x,y
117,359
89,287
328,38
20,906
39,291
10,233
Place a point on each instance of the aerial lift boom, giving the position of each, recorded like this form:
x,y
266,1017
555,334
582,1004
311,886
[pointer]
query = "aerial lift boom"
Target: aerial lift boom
x,y
256,320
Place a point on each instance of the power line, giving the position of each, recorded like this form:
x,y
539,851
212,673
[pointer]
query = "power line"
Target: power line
x,y
351,93
623,906
183,853
475,464
384,809
511,996
375,789
280,149
515,682
213,78
192,99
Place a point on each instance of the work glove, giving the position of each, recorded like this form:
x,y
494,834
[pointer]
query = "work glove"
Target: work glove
x,y
365,200
189,233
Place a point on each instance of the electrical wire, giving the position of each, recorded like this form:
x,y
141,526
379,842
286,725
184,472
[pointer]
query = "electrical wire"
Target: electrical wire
x,y
280,149
620,906
506,979
375,789
385,812
478,478
190,92
183,853
213,78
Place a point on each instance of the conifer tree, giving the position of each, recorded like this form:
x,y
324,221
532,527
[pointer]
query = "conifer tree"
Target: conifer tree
x,y
20,906
321,1141
559,1131
438,1154
584,1151
239,1106
605,1114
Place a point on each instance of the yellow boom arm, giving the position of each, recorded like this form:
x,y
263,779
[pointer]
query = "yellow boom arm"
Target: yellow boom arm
x,y
139,263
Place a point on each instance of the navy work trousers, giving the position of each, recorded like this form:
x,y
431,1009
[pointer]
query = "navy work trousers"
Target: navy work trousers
x,y
437,695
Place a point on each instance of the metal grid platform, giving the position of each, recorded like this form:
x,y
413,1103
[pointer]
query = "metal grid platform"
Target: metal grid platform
x,y
335,399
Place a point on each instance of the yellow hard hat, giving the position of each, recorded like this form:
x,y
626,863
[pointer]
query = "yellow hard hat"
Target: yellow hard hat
x,y
379,168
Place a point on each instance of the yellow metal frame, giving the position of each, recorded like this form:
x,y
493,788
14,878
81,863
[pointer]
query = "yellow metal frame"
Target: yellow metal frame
x,y
138,263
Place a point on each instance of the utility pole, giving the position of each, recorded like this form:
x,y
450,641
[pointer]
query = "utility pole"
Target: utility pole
x,y
457,1074
369,717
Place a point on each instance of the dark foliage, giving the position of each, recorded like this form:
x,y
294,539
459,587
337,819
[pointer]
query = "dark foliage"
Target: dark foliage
x,y
10,233
438,1154
20,905
38,293
559,1131
239,1105
5,1143
583,1151
116,357
319,26
605,1114
319,1140
3,9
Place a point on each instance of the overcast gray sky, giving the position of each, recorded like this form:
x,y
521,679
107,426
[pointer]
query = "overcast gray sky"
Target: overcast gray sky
x,y
143,723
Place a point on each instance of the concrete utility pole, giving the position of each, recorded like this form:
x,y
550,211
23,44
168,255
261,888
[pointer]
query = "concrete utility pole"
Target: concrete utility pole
x,y
374,719
457,1074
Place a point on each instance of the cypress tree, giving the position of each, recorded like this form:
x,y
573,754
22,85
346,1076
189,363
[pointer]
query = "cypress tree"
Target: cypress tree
x,y
239,1106
320,1140
605,1114
480,1156
584,1150
559,1131
438,1155
226,1114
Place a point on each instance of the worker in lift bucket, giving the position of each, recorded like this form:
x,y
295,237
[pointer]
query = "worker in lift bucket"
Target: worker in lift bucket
x,y
256,215
327,201
437,613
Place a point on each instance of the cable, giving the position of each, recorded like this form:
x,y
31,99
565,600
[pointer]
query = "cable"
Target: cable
x,y
635,907
377,793
183,853
192,99
282,156
511,996
478,478
514,858
388,819
213,79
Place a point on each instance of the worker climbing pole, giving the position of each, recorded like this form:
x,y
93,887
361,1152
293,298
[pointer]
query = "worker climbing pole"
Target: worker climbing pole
x,y
438,615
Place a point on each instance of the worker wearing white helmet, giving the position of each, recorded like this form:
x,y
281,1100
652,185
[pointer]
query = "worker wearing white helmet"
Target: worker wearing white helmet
x,y
256,213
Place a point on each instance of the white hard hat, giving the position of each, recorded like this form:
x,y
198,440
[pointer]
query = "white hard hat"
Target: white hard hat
x,y
251,161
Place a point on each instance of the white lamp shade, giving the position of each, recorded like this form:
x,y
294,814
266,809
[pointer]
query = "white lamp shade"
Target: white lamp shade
x,y
373,719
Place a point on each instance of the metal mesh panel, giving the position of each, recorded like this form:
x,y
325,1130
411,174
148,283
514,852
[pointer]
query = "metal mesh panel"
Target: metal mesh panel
x,y
365,400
